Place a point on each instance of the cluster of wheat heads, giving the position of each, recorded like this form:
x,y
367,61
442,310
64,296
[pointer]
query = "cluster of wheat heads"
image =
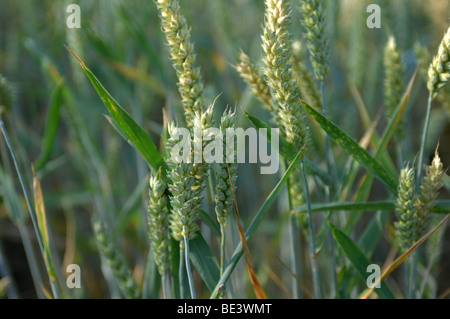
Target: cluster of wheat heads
x,y
329,180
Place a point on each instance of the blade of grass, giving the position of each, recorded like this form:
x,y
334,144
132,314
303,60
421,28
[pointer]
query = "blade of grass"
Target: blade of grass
x,y
358,259
132,130
51,127
254,225
353,149
43,228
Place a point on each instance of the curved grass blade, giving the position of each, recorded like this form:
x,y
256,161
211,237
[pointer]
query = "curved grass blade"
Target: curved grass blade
x,y
51,126
288,151
358,259
254,225
353,149
204,261
338,206
131,129
43,228
441,206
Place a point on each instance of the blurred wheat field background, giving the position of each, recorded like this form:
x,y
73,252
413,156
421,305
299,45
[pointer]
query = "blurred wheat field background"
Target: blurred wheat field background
x,y
95,184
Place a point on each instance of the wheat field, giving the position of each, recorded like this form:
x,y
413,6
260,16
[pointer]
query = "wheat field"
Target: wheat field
x,y
348,99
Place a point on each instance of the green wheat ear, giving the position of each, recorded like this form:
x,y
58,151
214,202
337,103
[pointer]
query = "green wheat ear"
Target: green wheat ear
x,y
393,83
406,225
182,54
184,198
276,43
314,22
429,190
224,192
158,222
250,73
115,260
439,70
413,210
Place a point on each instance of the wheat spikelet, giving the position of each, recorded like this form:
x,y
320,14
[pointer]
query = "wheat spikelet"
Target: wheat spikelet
x,y
423,60
158,222
277,48
304,77
405,211
439,70
224,201
393,84
182,54
115,261
184,194
429,190
314,22
252,76
413,210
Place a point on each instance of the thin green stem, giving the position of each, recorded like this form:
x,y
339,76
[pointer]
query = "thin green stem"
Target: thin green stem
x,y
188,266
331,169
164,285
315,270
294,245
413,276
55,288
424,140
406,279
181,272
222,250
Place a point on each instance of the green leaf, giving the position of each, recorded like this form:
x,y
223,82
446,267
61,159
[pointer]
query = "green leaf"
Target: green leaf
x,y
204,261
254,225
132,130
51,127
358,260
210,222
441,206
152,279
289,152
353,149
395,119
338,206
372,234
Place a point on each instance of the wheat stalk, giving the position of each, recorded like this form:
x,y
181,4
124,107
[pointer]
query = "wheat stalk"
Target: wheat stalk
x,y
393,84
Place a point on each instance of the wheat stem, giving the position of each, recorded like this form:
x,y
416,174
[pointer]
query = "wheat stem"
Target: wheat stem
x,y
188,265
181,272
424,139
294,245
315,270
